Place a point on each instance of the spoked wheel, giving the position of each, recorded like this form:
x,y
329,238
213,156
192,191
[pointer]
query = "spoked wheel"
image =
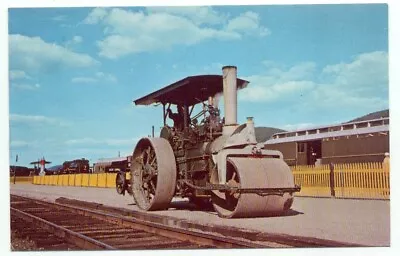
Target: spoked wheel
x,y
120,183
149,173
153,174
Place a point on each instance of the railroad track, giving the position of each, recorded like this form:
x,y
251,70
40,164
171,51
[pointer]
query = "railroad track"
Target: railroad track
x,y
29,237
82,225
94,230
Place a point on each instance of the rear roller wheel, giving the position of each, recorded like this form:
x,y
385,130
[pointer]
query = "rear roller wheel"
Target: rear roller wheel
x,y
120,183
153,174
254,173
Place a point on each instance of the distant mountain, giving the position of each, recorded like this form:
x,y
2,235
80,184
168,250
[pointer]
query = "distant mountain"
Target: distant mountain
x,y
370,116
264,133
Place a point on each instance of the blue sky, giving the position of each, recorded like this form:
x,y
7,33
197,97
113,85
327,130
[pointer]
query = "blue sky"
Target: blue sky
x,y
73,72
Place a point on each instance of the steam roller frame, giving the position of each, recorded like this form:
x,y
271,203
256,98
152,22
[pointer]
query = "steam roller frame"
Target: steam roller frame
x,y
153,174
256,174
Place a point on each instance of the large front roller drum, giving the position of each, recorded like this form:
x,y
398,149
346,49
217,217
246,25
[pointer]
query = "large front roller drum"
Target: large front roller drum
x,y
255,173
153,171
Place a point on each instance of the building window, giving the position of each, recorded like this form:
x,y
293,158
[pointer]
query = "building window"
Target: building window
x,y
322,130
312,132
300,147
334,129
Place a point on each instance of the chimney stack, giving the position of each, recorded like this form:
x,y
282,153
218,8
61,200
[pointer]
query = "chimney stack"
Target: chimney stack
x,y
229,75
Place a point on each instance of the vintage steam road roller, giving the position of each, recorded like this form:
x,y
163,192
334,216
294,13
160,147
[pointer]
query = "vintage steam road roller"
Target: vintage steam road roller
x,y
206,158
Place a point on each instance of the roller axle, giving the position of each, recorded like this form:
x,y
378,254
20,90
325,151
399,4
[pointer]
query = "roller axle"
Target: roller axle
x,y
259,191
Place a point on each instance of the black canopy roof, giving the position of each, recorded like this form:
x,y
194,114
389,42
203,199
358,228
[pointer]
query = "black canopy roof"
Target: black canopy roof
x,y
190,90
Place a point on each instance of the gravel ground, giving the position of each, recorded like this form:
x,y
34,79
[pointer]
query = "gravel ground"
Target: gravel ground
x,y
365,222
22,244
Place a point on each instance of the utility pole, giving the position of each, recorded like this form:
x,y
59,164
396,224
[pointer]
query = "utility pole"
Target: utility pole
x,y
15,167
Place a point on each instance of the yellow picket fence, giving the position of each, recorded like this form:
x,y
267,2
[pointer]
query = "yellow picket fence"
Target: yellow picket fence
x,y
21,179
314,181
357,180
102,180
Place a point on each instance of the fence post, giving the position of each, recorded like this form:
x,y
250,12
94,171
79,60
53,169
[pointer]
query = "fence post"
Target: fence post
x,y
386,175
386,162
332,178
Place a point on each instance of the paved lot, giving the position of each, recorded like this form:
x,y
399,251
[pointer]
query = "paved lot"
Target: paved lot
x,y
364,222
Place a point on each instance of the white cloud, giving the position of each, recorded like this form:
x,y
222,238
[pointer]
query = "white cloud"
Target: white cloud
x,y
269,63
59,18
331,95
299,126
107,77
278,84
29,87
279,73
109,142
18,74
301,71
264,91
361,83
30,118
36,119
95,15
292,86
99,76
84,80
134,32
84,141
120,142
34,54
247,23
129,32
19,143
363,75
198,14
76,40
214,67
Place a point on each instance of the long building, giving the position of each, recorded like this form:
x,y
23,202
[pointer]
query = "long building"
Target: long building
x,y
115,164
361,141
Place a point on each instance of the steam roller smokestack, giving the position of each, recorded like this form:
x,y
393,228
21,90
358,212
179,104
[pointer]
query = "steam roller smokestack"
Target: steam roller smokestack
x,y
229,76
211,101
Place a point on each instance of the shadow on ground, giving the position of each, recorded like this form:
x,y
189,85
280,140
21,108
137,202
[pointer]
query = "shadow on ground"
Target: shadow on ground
x,y
188,206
